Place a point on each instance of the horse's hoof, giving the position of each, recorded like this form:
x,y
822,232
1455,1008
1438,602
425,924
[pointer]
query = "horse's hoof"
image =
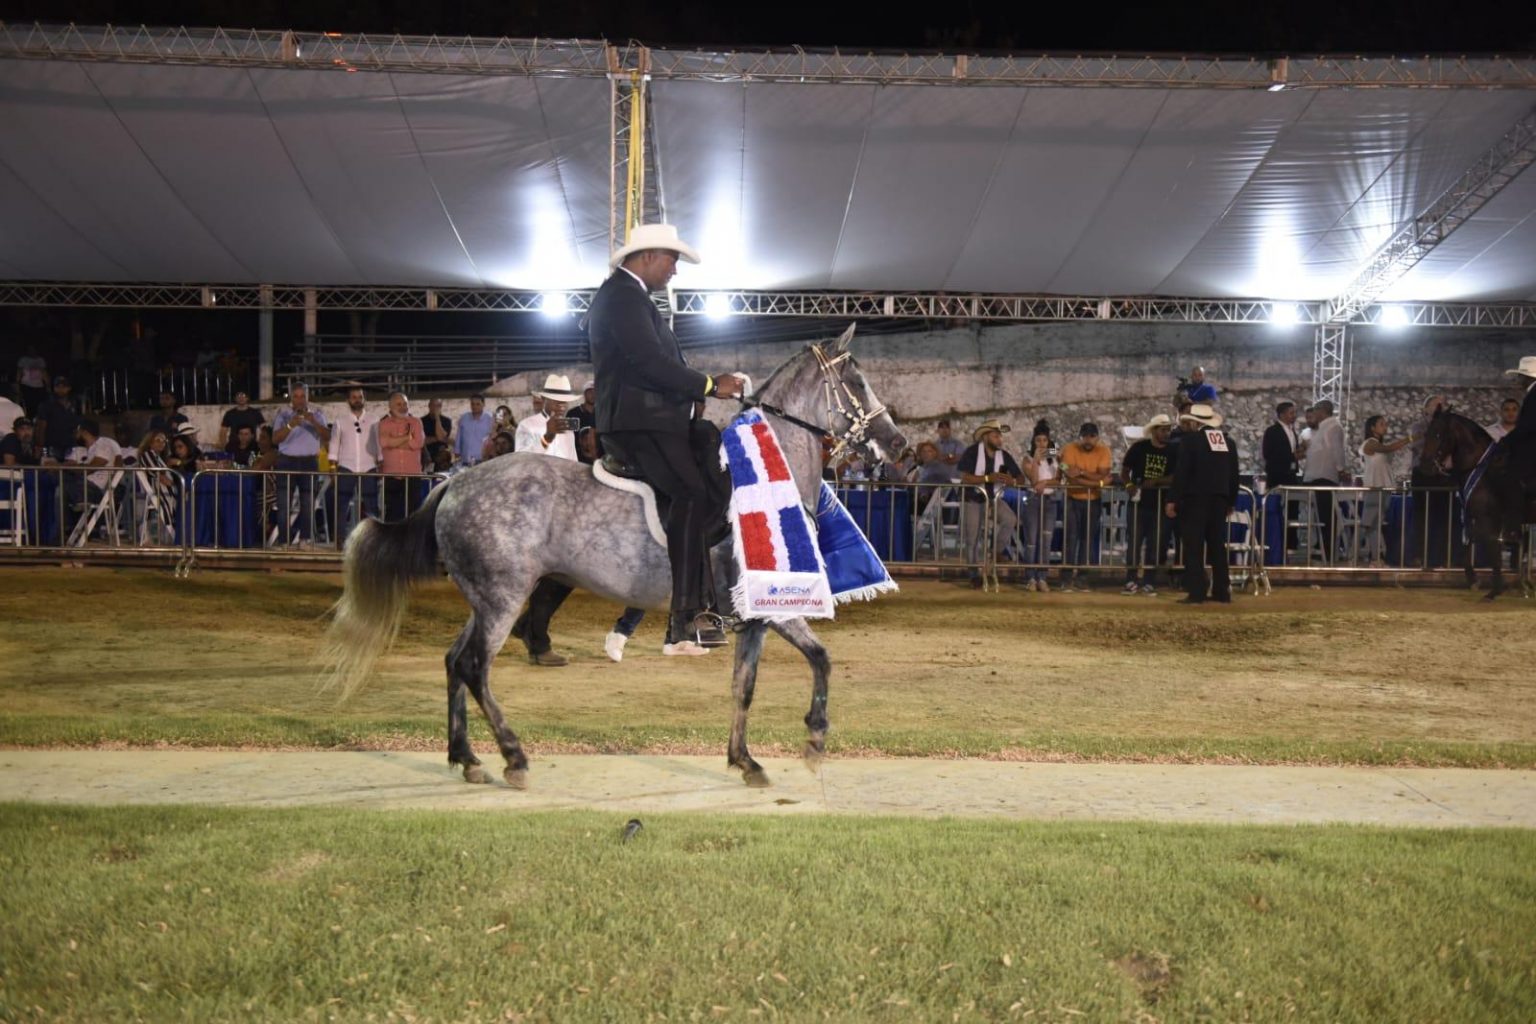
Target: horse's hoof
x,y
517,778
814,754
1491,595
755,777
476,774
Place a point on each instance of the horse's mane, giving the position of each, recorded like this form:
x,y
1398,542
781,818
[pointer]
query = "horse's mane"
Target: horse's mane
x,y
1478,430
762,388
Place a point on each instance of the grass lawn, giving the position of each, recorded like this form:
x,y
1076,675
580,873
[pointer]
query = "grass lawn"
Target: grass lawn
x,y
207,915
1361,675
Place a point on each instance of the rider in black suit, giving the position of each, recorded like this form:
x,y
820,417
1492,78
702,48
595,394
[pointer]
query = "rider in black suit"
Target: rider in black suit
x,y
645,409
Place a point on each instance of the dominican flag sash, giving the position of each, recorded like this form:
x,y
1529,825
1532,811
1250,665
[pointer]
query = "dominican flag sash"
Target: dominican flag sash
x,y
782,573
853,569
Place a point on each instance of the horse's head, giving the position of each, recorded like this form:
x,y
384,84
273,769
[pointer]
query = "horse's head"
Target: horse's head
x,y
1452,440
1437,442
854,414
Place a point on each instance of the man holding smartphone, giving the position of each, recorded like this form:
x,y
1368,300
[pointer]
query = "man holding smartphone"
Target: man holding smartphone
x,y
549,431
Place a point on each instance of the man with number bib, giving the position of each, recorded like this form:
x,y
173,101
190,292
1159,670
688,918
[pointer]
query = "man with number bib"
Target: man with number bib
x,y
646,395
1204,492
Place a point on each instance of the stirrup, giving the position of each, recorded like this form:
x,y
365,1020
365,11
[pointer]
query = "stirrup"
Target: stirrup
x,y
711,635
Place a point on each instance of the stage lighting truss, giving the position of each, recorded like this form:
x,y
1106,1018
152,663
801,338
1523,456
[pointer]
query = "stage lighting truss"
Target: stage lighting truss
x,y
461,55
822,305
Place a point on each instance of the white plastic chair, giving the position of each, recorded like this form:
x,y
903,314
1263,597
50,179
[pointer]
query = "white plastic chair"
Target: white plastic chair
x,y
15,503
106,509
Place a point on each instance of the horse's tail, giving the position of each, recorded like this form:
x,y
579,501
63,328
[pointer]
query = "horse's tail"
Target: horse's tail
x,y
382,560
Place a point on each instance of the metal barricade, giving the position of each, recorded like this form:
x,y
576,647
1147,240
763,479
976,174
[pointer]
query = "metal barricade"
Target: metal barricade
x,y
1359,530
920,525
77,512
303,515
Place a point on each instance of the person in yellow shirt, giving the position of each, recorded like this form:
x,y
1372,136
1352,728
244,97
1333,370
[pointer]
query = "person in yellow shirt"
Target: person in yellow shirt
x,y
1086,465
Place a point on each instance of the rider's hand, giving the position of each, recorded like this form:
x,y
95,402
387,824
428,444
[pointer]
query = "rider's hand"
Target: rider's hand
x,y
727,386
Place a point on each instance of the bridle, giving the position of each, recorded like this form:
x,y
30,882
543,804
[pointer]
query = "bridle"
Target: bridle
x,y
841,402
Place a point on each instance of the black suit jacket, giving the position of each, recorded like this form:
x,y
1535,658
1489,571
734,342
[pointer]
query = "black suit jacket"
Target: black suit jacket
x,y
643,382
1279,459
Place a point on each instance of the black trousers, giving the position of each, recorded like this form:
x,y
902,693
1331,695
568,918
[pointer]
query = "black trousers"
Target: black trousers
x,y
1149,537
668,463
1203,519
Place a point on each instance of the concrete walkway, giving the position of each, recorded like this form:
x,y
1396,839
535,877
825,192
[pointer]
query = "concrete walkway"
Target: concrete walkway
x,y
641,783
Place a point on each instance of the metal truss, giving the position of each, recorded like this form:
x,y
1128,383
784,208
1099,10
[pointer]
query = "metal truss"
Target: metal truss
x,y
1328,352
824,305
1486,178
220,47
594,58
1066,69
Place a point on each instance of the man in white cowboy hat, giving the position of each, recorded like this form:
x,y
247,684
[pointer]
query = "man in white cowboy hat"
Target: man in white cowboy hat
x,y
985,464
1204,492
1147,469
645,410
550,431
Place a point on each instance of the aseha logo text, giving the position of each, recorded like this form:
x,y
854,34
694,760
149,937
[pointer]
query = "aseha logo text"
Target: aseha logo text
x,y
788,589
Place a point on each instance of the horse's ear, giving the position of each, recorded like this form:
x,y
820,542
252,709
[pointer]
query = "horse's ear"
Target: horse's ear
x,y
841,344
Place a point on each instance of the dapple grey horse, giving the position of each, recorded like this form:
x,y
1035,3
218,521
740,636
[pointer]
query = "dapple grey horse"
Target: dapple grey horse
x,y
502,525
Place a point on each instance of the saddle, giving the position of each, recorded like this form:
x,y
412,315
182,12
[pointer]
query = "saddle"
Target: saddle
x,y
615,469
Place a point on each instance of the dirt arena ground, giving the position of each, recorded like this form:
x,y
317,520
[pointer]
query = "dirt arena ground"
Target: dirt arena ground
x,y
1342,675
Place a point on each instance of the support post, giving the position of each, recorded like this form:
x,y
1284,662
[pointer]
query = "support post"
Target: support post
x,y
265,362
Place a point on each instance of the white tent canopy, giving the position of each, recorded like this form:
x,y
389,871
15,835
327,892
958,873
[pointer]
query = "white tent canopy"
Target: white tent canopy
x,y
121,172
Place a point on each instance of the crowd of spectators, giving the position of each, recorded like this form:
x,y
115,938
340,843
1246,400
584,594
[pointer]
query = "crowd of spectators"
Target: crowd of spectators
x,y
371,453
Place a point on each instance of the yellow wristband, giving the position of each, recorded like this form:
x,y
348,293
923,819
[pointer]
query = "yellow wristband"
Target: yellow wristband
x,y
709,385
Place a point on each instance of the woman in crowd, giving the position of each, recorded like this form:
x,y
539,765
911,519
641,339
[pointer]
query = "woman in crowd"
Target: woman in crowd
x,y
184,457
501,420
266,448
500,443
153,481
1041,467
242,448
1377,476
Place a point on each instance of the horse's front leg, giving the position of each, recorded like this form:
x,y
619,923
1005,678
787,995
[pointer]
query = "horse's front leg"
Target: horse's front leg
x,y
798,633
749,649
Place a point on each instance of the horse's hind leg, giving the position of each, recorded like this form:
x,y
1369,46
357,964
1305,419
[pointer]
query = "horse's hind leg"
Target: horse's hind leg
x,y
798,633
749,648
488,629
459,750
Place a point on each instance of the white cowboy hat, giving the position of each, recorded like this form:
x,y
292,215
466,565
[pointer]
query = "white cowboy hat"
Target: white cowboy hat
x,y
1202,413
1001,428
1527,368
590,385
186,430
1160,420
557,388
654,236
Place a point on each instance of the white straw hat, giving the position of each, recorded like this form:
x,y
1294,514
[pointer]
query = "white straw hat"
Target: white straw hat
x,y
1202,413
557,388
654,236
1527,368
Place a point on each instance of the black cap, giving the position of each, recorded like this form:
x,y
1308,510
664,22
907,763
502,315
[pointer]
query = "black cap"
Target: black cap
x,y
21,421
1088,430
60,379
91,427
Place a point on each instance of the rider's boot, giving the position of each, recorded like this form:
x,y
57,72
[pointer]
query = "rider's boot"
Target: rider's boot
x,y
684,636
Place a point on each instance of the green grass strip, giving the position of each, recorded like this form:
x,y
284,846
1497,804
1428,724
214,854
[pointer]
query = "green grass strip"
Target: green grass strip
x,y
211,914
